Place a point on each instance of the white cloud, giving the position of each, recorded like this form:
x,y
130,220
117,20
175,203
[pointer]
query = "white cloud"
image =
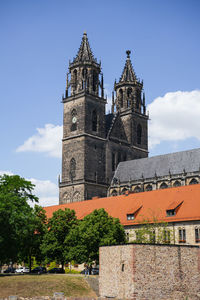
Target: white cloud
x,y
174,117
6,172
47,140
45,190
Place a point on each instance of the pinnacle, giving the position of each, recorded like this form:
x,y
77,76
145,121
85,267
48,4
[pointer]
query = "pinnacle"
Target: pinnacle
x,y
84,53
128,73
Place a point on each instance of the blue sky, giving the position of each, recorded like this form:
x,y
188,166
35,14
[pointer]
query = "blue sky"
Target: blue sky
x,y
39,37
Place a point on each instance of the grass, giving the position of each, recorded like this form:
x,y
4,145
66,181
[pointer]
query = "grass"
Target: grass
x,y
44,285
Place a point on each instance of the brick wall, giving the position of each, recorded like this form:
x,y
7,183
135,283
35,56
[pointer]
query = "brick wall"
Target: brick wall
x,y
145,272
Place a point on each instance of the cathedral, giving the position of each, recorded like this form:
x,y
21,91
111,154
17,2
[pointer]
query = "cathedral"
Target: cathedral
x,y
107,154
94,142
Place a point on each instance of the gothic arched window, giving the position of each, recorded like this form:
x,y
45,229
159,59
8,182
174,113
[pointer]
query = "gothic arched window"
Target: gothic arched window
x,y
139,134
72,168
193,181
74,120
163,186
114,193
149,187
75,79
95,80
137,189
84,78
138,96
177,183
124,191
94,121
129,91
121,98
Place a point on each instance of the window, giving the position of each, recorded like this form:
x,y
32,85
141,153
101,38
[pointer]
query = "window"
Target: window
x,y
139,134
72,172
95,80
120,98
177,183
171,212
138,100
193,181
124,191
137,189
166,236
94,121
74,120
114,193
84,77
163,186
182,236
75,79
197,235
130,216
149,187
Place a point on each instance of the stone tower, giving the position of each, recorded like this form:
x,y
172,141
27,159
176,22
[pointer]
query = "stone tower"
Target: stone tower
x,y
127,138
83,144
94,143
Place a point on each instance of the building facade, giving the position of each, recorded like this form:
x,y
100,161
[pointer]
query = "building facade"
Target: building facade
x,y
174,213
94,143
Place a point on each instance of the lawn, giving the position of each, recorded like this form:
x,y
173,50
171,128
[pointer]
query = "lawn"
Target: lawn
x,y
44,285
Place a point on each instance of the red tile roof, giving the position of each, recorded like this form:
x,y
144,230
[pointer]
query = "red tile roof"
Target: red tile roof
x,y
153,205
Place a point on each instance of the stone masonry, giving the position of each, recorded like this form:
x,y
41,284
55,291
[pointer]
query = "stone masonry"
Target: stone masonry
x,y
94,142
147,272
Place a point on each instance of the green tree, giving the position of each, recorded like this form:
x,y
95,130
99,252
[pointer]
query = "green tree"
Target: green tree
x,y
153,231
95,230
59,226
15,215
34,233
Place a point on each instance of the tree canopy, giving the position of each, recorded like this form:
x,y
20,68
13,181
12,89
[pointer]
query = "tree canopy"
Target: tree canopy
x,y
59,226
17,218
95,230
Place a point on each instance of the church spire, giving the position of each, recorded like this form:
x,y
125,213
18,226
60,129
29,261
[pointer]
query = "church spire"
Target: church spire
x,y
84,53
85,71
128,89
128,74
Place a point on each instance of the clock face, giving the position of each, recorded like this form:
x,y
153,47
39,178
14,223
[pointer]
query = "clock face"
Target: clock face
x,y
74,120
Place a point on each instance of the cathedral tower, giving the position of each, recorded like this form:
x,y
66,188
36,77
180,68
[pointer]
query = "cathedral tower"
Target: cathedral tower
x,y
83,144
127,136
94,143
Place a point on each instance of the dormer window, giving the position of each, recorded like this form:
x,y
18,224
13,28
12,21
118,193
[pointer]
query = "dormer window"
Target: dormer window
x,y
130,217
173,208
171,212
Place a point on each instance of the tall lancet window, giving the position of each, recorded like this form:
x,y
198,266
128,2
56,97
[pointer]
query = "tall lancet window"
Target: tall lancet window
x,y
121,98
72,168
75,79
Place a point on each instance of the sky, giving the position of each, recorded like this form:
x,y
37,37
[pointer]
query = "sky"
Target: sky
x,y
39,37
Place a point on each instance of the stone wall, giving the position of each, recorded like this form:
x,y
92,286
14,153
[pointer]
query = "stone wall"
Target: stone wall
x,y
145,272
